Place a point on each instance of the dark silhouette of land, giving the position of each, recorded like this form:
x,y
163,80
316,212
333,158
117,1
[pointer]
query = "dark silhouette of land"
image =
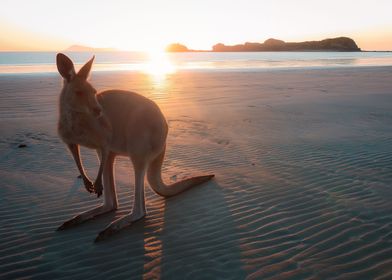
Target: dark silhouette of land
x,y
80,48
340,44
343,44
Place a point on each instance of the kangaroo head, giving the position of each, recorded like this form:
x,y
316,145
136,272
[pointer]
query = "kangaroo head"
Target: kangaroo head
x,y
77,92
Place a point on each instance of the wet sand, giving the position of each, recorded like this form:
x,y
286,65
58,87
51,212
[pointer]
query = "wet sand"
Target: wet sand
x,y
303,165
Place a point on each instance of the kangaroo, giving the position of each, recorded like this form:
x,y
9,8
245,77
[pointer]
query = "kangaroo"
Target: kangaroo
x,y
114,123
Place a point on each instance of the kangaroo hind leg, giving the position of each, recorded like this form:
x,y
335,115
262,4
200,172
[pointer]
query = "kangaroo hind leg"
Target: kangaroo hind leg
x,y
139,207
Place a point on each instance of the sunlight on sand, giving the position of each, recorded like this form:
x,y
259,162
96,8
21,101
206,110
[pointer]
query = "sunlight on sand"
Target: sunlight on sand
x,y
158,67
153,248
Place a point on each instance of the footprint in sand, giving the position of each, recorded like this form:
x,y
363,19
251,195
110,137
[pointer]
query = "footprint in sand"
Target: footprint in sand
x,y
222,141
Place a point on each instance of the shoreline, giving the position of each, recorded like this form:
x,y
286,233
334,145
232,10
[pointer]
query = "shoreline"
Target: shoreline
x,y
54,72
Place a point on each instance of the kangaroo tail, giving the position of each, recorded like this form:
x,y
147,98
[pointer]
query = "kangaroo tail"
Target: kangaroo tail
x,y
154,177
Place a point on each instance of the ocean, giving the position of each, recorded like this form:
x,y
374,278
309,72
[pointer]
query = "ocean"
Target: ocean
x,y
44,62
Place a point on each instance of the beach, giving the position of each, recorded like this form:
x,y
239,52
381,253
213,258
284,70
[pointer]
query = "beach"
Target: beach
x,y
302,189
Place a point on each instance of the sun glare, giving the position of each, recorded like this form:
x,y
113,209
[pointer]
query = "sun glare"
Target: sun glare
x,y
158,65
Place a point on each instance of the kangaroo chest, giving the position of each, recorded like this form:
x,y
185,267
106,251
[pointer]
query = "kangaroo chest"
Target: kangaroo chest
x,y
81,129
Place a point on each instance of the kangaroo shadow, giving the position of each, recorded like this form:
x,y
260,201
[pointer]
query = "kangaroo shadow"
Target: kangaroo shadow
x,y
190,236
199,238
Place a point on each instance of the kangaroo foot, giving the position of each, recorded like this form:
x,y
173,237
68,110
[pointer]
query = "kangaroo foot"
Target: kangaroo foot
x,y
119,224
85,216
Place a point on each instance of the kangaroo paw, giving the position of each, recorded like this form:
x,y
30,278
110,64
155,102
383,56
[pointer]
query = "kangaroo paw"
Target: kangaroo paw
x,y
88,185
98,188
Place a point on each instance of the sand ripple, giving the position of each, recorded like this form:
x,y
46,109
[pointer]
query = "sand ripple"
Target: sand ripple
x,y
302,189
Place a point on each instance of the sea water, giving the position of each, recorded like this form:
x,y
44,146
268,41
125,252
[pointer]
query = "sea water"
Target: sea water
x,y
44,62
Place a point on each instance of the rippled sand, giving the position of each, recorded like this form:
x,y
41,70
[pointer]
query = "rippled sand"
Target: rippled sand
x,y
303,188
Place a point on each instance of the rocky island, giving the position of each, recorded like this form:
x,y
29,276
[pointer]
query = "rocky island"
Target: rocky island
x,y
341,44
177,47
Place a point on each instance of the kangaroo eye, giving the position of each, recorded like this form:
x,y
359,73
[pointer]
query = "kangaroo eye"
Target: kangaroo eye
x,y
79,93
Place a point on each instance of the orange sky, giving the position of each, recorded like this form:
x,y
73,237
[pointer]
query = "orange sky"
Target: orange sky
x,y
148,24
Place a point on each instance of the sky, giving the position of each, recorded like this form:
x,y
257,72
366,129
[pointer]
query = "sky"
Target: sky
x,y
199,24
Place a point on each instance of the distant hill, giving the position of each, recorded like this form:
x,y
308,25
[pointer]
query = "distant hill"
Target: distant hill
x,y
80,48
334,44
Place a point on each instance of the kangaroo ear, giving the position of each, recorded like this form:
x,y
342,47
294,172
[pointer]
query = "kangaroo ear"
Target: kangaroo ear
x,y
85,70
65,67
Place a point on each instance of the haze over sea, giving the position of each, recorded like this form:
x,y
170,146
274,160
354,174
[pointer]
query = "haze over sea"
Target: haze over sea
x,y
44,62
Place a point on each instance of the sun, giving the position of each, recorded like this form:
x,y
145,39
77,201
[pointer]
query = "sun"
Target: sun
x,y
158,64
